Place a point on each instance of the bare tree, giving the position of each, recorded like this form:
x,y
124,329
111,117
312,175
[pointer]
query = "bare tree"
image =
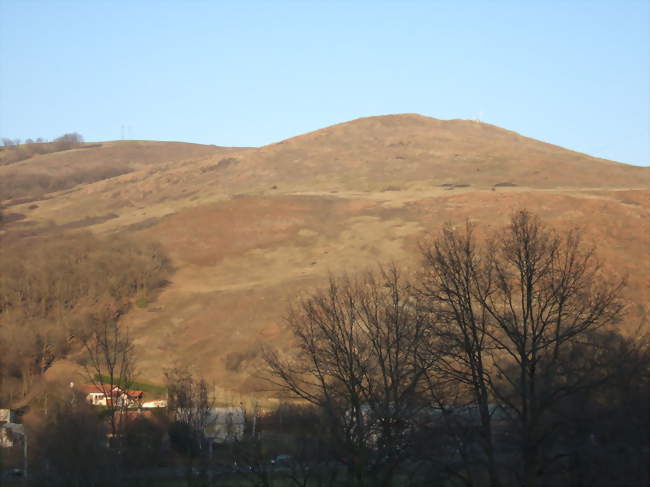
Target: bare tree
x,y
110,361
362,352
68,141
189,401
451,275
49,284
70,447
513,308
601,431
188,398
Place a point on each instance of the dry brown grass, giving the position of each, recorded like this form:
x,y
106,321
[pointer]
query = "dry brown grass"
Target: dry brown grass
x,y
247,235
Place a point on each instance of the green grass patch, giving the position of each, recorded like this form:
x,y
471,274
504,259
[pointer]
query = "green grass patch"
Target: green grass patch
x,y
154,390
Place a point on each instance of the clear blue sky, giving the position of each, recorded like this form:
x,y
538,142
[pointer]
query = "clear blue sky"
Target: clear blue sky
x,y
573,73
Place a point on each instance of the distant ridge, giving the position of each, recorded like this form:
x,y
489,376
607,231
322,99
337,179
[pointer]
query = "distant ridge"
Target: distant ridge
x,y
412,147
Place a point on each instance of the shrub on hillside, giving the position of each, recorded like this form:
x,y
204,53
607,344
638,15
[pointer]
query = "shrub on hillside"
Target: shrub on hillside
x,y
49,285
33,184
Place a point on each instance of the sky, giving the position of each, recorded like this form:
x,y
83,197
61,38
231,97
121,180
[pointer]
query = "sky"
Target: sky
x,y
237,73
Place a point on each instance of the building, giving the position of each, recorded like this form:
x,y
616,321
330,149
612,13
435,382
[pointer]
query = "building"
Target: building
x,y
225,424
10,431
157,403
131,398
98,395
7,416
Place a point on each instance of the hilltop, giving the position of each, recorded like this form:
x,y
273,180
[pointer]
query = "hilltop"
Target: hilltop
x,y
369,152
250,228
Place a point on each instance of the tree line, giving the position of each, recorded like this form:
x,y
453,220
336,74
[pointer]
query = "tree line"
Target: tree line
x,y
15,150
27,182
54,289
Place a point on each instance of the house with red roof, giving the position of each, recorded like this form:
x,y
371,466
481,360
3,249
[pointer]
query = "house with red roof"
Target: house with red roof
x,y
105,395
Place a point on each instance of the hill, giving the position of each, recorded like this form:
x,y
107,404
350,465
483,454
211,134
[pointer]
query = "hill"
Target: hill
x,y
369,152
42,174
249,228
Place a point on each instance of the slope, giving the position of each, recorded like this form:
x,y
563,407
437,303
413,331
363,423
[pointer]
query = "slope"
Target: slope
x,y
249,229
370,152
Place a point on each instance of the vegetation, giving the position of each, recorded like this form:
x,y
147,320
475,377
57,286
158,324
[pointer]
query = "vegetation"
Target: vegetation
x,y
152,390
363,355
72,439
189,404
498,363
109,360
28,183
487,349
52,289
508,316
14,151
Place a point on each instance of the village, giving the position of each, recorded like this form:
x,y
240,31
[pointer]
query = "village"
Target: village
x,y
122,410
201,440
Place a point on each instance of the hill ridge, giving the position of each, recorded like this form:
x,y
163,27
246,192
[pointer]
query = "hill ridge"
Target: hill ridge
x,y
249,229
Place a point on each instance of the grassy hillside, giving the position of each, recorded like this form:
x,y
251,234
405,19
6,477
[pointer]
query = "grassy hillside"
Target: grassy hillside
x,y
249,229
42,174
370,153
